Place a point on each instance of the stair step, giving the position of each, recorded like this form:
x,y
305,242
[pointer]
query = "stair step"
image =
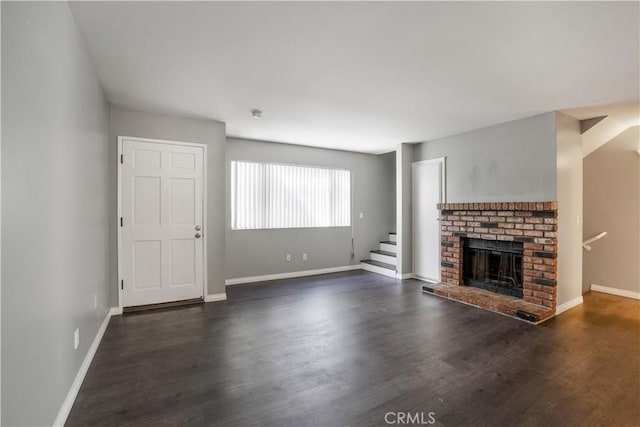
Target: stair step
x,y
379,264
388,242
387,253
388,247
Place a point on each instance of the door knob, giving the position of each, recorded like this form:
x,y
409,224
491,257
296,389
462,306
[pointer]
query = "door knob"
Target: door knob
x,y
198,228
198,235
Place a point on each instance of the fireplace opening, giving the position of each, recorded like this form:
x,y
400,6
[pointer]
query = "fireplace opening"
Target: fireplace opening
x,y
493,265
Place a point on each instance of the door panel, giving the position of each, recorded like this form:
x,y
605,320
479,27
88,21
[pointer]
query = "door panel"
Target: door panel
x,y
146,200
183,205
162,193
427,193
147,264
147,159
183,262
185,161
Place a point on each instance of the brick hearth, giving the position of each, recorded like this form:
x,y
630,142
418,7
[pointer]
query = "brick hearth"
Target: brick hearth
x,y
535,224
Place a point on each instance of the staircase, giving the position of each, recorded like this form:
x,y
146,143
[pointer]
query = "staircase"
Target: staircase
x,y
382,260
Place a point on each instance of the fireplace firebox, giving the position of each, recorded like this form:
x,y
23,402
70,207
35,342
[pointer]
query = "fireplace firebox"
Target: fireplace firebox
x,y
493,265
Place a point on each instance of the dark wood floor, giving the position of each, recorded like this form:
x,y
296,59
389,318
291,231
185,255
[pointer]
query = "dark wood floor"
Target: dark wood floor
x,y
346,348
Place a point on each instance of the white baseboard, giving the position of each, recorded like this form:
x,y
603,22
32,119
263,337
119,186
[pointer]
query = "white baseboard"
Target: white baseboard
x,y
569,304
615,291
423,279
278,276
215,297
61,418
115,311
405,276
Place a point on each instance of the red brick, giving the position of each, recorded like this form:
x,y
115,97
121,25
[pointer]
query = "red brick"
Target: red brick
x,y
544,241
533,300
524,226
506,238
545,227
534,246
545,268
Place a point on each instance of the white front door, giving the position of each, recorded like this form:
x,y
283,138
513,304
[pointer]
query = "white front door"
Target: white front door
x,y
162,196
428,191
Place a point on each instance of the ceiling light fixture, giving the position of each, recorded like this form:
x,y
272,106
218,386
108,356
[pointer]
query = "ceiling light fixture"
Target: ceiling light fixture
x,y
256,114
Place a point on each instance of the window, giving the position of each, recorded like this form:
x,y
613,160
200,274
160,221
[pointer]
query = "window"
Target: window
x,y
268,195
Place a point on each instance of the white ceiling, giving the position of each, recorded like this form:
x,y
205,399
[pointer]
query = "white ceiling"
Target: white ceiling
x,y
362,76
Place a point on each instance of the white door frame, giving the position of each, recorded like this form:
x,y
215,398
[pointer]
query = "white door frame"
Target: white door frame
x,y
204,207
443,192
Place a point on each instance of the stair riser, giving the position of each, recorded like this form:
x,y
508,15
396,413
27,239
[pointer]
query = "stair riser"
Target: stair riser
x,y
379,270
382,258
392,238
387,247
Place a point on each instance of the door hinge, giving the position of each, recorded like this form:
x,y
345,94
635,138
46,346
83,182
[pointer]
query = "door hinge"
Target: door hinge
x,y
121,222
121,158
122,284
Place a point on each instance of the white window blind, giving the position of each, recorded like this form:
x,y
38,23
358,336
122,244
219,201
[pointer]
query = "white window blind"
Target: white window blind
x,y
268,195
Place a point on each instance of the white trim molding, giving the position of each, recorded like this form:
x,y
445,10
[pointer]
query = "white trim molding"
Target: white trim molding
x,y
61,418
405,276
278,276
215,297
424,279
569,304
615,291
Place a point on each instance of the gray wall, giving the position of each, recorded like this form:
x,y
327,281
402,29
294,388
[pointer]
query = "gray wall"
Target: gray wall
x,y
261,252
569,197
146,125
514,161
55,208
612,204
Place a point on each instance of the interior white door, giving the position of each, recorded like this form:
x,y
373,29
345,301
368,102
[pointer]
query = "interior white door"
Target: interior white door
x,y
162,198
428,191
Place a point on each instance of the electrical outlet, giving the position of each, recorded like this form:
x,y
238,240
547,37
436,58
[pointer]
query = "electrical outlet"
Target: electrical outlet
x,y
76,339
304,256
288,258
95,301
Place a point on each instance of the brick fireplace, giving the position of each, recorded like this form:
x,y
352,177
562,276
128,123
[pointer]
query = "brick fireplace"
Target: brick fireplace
x,y
523,276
